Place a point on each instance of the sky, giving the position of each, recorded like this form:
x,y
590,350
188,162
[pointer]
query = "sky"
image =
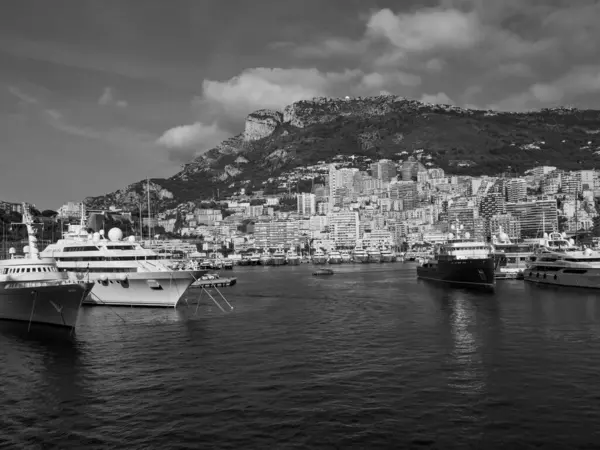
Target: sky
x,y
95,95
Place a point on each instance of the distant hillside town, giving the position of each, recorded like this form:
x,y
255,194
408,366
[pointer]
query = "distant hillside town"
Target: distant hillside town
x,y
383,203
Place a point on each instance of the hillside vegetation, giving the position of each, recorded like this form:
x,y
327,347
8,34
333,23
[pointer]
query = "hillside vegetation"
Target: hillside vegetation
x,y
469,142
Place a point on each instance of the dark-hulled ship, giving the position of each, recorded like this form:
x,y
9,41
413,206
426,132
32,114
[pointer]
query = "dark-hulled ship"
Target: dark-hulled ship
x,y
461,261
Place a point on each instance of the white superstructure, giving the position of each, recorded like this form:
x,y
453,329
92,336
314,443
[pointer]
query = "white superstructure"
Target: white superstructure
x,y
33,290
123,272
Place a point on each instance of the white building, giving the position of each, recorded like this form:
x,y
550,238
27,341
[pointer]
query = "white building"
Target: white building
x,y
307,204
344,228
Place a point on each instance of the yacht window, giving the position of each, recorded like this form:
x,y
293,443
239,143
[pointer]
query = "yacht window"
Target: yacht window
x,y
87,248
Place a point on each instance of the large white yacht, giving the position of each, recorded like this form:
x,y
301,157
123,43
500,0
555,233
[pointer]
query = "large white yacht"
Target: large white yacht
x,y
360,255
33,290
373,255
559,262
123,272
292,258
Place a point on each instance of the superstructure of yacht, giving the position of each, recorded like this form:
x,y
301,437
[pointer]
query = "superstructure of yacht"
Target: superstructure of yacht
x,y
510,258
335,257
123,272
33,290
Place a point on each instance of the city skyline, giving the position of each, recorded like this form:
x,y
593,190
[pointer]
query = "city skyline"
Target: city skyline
x,y
94,98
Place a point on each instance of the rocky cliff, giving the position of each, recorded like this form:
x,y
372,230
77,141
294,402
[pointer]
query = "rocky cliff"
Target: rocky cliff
x,y
385,126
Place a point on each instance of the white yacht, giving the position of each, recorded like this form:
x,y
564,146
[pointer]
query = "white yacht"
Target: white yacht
x,y
319,257
123,272
278,257
387,255
335,257
559,262
292,258
346,256
360,255
510,258
33,290
373,255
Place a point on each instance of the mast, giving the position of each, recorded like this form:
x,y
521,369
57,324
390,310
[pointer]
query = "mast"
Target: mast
x,y
149,215
32,240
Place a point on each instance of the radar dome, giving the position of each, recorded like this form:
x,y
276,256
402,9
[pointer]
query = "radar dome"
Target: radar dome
x,y
96,237
12,251
450,235
115,234
467,235
571,241
101,232
588,251
503,236
131,238
26,249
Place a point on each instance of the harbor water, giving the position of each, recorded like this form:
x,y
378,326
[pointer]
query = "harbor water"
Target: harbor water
x,y
369,357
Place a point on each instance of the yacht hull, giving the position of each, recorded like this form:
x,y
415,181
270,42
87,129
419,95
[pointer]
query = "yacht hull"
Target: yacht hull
x,y
49,305
293,261
335,260
319,259
574,277
148,289
470,273
387,258
361,259
278,261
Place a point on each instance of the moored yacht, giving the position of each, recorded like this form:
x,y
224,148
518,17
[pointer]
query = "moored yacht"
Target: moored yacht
x,y
558,262
279,257
373,255
360,255
123,272
292,258
266,259
319,257
461,261
33,290
334,257
387,255
254,259
346,256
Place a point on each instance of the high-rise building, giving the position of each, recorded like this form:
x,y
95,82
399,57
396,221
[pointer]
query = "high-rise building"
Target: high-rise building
x,y
344,228
383,170
341,178
536,217
405,191
307,204
516,190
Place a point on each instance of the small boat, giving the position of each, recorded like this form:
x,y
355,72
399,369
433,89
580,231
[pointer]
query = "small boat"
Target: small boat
x,y
323,272
214,280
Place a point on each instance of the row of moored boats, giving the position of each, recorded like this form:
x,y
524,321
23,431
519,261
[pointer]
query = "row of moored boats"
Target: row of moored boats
x,y
87,268
280,257
551,260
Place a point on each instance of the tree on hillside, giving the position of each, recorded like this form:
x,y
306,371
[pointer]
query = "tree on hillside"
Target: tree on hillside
x,y
49,213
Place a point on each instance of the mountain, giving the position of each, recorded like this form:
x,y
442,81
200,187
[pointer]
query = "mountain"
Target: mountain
x,y
461,141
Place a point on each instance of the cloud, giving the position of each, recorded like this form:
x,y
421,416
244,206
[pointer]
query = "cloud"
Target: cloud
x,y
439,98
109,98
22,96
187,141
